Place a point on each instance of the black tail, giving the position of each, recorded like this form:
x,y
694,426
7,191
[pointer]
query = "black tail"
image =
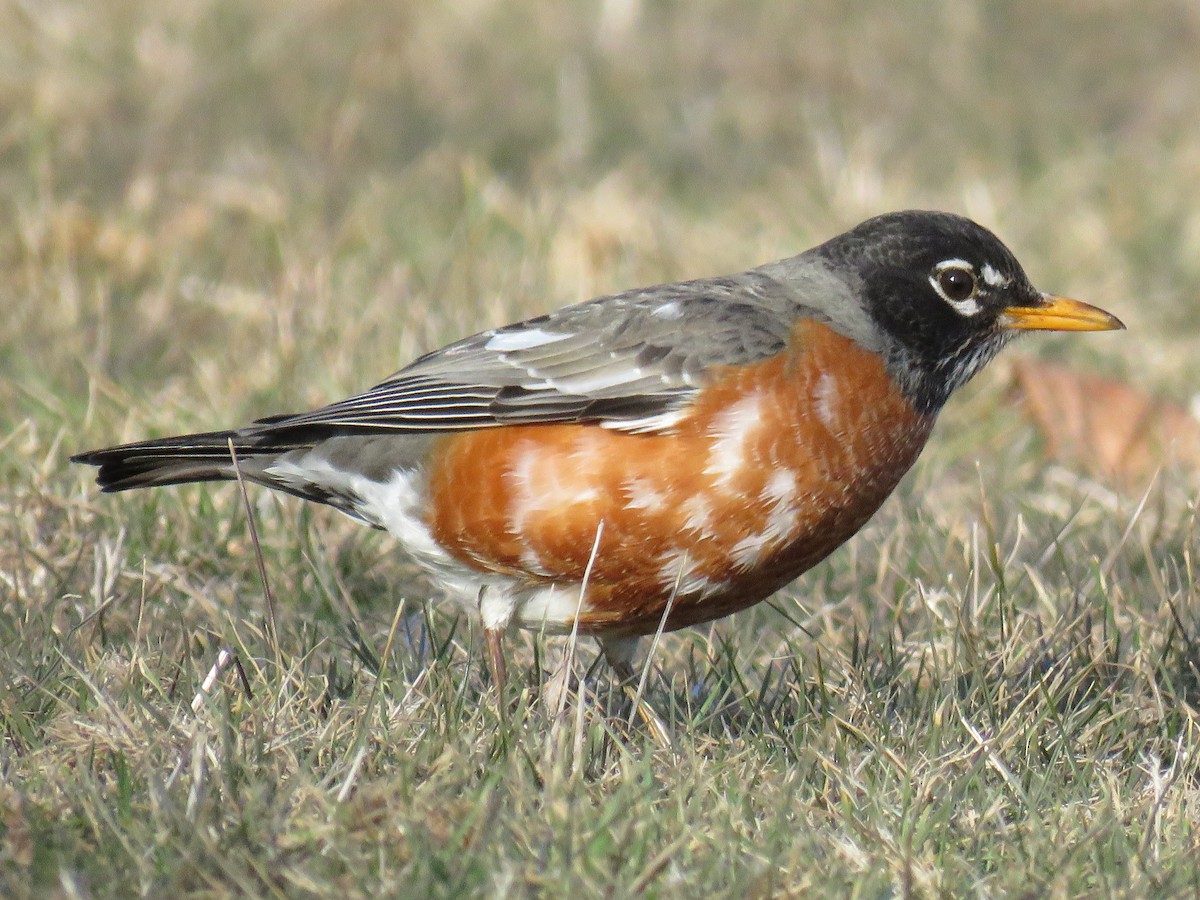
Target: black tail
x,y
179,460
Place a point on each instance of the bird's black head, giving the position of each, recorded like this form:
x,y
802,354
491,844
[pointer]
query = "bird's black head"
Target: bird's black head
x,y
948,295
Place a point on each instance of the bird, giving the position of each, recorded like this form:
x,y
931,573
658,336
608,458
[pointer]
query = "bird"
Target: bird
x,y
657,458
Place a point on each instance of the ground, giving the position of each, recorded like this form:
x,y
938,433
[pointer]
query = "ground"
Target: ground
x,y
217,210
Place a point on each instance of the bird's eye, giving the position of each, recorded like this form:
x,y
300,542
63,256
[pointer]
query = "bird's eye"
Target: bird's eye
x,y
956,283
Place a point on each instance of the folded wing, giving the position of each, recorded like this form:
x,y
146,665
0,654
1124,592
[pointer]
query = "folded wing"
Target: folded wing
x,y
631,361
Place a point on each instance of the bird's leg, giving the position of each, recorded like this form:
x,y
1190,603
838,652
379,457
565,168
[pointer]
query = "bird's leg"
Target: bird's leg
x,y
496,608
619,652
497,668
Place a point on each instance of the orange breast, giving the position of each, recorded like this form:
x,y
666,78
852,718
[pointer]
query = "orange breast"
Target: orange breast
x,y
776,465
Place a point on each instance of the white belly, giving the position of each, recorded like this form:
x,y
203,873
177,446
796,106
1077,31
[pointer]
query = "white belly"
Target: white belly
x,y
397,506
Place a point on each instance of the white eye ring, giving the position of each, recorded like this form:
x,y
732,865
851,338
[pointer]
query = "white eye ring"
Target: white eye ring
x,y
964,306
993,278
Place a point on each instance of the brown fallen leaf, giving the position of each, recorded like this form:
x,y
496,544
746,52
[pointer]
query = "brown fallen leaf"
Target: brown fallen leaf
x,y
1112,428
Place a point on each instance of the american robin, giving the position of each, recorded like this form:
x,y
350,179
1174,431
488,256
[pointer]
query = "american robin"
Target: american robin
x,y
656,458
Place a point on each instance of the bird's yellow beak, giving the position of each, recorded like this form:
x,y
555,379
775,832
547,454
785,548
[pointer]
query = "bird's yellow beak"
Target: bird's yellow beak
x,y
1059,314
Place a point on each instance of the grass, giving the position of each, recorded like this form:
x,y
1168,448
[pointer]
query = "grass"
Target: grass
x,y
217,210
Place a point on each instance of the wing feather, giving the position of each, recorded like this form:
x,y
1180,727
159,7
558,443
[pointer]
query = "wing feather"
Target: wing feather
x,y
631,360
